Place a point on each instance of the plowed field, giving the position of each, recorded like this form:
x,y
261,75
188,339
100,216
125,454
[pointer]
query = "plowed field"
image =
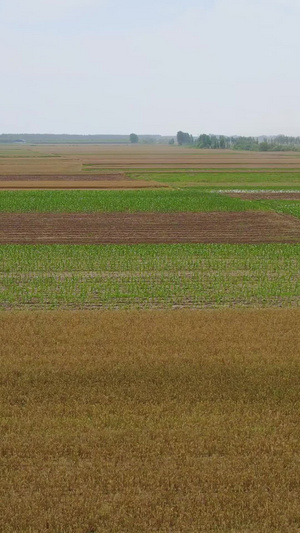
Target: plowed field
x,y
65,177
134,228
62,182
190,163
77,185
72,160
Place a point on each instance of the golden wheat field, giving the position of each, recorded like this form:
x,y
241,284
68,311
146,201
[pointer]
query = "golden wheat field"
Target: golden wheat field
x,y
183,421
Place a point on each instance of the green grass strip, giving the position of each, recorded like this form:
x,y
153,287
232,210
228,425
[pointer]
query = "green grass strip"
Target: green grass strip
x,y
221,178
286,207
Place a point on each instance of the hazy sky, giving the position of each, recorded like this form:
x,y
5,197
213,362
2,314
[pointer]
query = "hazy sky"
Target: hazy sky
x,y
117,66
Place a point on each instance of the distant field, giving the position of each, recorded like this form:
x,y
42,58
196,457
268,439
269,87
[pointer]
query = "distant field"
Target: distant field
x,y
222,178
74,182
149,276
150,422
67,159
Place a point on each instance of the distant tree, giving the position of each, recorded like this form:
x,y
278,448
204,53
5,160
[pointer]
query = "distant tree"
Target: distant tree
x,y
264,146
278,143
180,137
133,138
204,141
245,143
184,138
171,141
222,142
215,143
149,140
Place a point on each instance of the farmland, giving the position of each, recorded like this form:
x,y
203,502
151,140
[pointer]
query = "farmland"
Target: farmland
x,y
191,200
156,228
149,276
86,160
266,195
213,179
74,182
149,339
138,422
58,184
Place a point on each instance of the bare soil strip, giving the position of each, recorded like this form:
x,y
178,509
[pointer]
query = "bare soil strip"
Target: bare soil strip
x,y
73,182
65,177
265,195
182,165
155,228
32,185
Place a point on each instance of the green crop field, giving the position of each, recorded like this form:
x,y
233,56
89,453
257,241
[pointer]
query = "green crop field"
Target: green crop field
x,y
172,200
209,179
191,199
149,276
287,207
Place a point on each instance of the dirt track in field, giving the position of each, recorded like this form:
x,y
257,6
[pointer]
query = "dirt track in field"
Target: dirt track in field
x,y
78,185
65,177
265,195
65,182
182,165
156,228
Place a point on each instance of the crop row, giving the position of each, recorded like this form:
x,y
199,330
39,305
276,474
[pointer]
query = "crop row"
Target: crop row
x,y
149,276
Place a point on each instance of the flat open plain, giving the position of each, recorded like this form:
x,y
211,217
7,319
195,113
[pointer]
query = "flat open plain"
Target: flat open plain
x,y
139,228
182,421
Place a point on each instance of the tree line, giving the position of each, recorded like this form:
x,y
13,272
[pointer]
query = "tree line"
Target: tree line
x,y
258,144
41,138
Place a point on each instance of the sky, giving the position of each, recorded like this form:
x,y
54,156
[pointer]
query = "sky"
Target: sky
x,y
120,66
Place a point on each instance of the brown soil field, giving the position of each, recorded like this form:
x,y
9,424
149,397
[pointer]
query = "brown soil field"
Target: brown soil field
x,y
192,163
77,181
135,228
62,159
265,195
142,422
84,184
66,177
203,164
